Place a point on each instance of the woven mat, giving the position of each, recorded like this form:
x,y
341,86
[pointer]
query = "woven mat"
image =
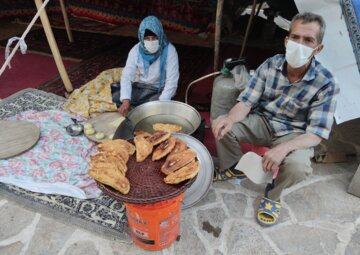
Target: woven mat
x,y
103,215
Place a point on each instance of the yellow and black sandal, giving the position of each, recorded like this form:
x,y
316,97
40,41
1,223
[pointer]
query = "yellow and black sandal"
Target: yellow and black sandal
x,y
227,174
268,212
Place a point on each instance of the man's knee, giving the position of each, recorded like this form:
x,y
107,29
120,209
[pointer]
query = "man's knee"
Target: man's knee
x,y
295,171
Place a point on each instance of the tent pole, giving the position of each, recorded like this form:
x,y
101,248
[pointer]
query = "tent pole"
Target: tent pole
x,y
219,12
66,21
248,28
54,48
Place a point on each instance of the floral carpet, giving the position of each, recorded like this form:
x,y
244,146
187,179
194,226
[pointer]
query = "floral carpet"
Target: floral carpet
x,y
103,215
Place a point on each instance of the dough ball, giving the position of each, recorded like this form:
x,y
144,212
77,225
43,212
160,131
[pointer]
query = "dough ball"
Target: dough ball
x,y
99,135
88,126
89,131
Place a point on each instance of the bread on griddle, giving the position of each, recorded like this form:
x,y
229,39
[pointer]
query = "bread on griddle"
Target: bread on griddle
x,y
178,160
109,177
186,172
143,148
158,137
171,128
164,148
179,146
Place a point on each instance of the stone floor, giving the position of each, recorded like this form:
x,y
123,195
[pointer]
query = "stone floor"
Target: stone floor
x,y
318,217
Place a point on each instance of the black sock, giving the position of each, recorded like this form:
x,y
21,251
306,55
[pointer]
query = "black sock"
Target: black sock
x,y
269,187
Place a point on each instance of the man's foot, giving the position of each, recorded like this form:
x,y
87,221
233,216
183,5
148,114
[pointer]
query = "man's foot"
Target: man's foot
x,y
268,212
227,174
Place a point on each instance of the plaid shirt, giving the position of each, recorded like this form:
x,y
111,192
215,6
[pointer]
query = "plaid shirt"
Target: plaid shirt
x,y
306,106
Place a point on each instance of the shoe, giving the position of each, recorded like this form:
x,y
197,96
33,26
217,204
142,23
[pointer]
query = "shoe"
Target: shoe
x,y
227,174
268,212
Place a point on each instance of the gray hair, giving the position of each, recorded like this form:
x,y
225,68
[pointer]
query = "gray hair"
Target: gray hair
x,y
308,17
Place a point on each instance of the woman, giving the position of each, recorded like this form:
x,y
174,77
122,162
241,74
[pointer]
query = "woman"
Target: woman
x,y
152,68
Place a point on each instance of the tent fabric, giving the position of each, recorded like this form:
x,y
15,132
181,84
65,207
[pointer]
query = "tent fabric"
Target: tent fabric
x,y
183,16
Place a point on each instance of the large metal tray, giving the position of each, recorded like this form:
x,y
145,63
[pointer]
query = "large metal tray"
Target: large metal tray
x,y
148,186
203,181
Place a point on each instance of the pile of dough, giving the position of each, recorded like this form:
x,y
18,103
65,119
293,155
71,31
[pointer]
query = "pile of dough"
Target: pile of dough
x,y
90,130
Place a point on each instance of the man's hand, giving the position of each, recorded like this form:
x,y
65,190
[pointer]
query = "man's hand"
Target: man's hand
x,y
221,126
124,107
273,157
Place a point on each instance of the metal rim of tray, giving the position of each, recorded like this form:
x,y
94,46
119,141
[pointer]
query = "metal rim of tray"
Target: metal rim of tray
x,y
201,186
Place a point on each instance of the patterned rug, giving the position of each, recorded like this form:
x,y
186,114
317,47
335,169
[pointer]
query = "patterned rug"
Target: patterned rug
x,y
103,215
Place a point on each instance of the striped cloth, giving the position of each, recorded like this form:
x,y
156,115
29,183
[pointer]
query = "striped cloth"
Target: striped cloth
x,y
307,105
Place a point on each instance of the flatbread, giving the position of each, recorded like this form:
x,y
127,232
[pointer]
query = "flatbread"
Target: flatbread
x,y
142,133
103,156
117,146
171,128
111,178
186,172
158,137
178,160
143,148
164,148
108,161
179,146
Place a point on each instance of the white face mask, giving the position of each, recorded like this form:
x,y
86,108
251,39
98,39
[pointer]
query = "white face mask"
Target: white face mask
x,y
151,46
297,54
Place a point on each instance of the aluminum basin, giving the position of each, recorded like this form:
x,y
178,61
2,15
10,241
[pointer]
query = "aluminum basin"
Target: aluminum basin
x,y
170,112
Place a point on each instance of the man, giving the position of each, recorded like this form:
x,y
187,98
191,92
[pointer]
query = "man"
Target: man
x,y
288,106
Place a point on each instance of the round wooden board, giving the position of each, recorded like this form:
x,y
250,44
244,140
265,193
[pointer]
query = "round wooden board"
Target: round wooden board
x,y
105,123
17,137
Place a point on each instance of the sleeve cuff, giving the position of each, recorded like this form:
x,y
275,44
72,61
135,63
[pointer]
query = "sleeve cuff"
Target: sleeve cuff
x,y
322,132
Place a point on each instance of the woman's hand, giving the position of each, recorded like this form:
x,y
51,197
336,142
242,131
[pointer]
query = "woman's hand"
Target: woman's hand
x,y
221,126
124,107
